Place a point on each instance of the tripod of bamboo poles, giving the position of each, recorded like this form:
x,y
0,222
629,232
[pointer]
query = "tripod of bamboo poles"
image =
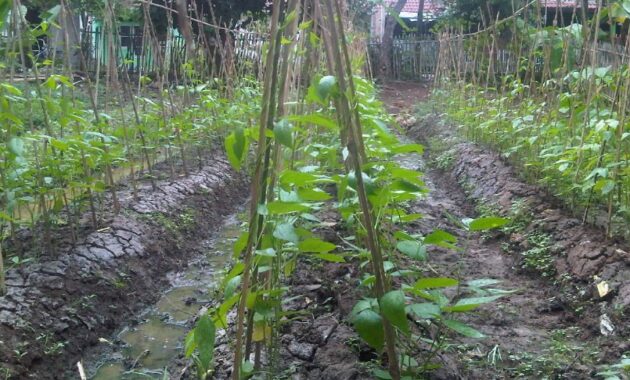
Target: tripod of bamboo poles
x,y
328,16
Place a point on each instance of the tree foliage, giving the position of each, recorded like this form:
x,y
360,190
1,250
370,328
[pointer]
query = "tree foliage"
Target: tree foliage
x,y
473,13
226,11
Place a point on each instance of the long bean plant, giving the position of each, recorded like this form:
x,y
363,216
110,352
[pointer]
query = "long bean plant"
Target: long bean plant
x,y
329,144
553,100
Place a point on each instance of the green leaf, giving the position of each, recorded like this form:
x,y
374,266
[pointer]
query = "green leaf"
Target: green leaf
x,y
435,282
467,304
392,307
368,182
292,177
382,375
189,343
315,119
16,146
231,286
408,148
425,310
487,223
463,329
240,244
315,195
330,257
235,147
204,336
310,217
441,239
316,245
277,207
289,196
326,86
59,144
480,283
283,131
369,326
286,231
413,249
268,252
247,369
361,305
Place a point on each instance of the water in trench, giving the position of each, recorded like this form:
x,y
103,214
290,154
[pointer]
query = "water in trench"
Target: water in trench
x,y
144,350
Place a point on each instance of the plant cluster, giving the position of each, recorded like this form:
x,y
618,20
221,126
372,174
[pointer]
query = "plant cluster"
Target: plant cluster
x,y
553,100
334,135
69,142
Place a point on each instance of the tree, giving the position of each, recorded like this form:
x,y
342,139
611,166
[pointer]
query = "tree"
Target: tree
x,y
226,12
387,42
473,13
420,25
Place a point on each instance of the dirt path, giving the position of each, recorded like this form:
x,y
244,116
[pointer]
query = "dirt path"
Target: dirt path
x,y
550,326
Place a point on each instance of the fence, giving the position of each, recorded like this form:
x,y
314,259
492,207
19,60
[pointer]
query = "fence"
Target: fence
x,y
459,58
413,57
137,55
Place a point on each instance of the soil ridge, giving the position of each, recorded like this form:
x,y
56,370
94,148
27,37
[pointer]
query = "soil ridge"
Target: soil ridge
x,y
57,307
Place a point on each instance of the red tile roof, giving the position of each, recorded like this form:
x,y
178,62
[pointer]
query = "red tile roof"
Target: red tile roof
x,y
437,5
412,5
592,4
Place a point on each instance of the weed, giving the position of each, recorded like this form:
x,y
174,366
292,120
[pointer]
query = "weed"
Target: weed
x,y
538,258
187,219
444,161
520,217
52,347
561,353
618,370
5,373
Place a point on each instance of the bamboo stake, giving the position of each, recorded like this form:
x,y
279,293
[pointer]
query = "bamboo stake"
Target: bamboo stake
x,y
257,184
357,153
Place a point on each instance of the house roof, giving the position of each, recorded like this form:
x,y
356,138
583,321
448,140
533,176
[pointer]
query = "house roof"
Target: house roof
x,y
430,6
437,6
592,4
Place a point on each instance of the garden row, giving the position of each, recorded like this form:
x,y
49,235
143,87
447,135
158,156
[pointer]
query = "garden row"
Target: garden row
x,y
552,100
61,155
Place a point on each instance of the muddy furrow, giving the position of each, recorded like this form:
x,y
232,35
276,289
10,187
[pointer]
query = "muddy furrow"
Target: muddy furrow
x,y
580,250
57,307
548,326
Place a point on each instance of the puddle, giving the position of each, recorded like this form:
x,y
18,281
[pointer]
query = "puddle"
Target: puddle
x,y
152,343
144,350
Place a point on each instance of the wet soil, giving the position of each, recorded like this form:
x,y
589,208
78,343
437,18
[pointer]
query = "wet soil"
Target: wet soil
x,y
62,304
316,341
551,326
150,344
544,327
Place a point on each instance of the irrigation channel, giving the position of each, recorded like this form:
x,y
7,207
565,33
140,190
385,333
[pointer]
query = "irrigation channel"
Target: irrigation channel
x,y
155,339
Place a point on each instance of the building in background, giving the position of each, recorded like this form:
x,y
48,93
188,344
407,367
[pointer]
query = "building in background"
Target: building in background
x,y
432,10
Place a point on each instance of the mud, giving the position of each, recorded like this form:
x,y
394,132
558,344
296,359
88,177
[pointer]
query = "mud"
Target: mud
x,y
543,328
580,250
550,327
59,306
316,341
